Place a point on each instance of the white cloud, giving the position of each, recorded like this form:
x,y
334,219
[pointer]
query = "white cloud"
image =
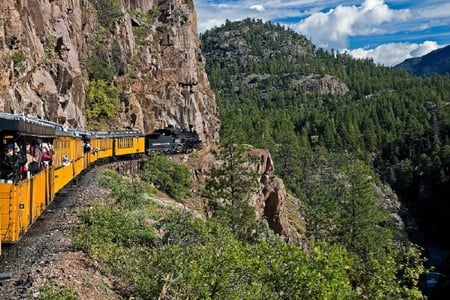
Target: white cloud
x,y
210,23
333,28
440,10
425,48
394,53
224,5
257,7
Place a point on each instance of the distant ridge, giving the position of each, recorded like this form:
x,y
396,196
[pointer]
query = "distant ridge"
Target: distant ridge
x,y
436,62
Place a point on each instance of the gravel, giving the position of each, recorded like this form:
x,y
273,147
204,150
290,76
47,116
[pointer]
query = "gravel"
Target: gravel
x,y
45,254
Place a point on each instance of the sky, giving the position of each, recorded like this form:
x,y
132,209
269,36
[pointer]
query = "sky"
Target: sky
x,y
386,31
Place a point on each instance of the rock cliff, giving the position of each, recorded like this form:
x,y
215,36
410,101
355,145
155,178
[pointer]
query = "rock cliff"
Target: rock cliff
x,y
51,51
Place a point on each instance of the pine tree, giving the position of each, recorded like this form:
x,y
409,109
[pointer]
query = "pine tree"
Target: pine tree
x,y
229,186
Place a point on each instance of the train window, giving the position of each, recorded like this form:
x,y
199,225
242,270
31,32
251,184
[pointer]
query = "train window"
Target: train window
x,y
125,142
63,152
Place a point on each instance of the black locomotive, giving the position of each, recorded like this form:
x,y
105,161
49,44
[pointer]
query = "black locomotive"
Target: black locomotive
x,y
172,140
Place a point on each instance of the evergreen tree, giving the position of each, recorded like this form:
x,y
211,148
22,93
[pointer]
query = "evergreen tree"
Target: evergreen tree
x,y
229,186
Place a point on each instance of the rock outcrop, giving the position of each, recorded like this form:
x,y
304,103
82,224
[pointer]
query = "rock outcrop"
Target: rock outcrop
x,y
270,197
49,51
320,84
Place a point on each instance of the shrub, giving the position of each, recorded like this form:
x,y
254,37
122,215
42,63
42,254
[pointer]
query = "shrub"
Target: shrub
x,y
101,100
204,260
104,224
200,259
18,58
171,178
129,195
52,292
108,10
100,70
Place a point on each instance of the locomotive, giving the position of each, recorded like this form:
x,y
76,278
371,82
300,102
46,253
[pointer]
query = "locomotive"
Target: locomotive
x,y
172,140
26,195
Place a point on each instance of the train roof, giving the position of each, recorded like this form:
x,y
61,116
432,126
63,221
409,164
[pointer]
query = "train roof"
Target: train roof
x,y
22,125
171,130
103,134
27,126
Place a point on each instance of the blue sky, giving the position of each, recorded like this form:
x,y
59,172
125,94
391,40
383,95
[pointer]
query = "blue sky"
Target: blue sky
x,y
387,31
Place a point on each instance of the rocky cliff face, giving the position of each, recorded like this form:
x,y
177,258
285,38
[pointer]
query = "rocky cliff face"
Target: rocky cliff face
x,y
52,50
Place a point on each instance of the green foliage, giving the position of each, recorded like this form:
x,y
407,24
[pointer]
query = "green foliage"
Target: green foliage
x,y
342,208
182,230
100,70
108,11
107,58
128,195
229,186
153,11
172,178
103,225
197,259
145,17
52,292
101,101
232,180
18,57
208,262
107,224
164,27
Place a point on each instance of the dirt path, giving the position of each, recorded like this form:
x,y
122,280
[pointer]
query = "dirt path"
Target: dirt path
x,y
46,255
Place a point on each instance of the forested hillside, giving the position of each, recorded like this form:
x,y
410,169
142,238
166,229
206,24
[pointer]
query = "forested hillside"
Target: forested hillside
x,y
338,129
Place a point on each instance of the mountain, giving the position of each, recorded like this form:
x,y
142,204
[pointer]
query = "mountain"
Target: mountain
x,y
276,90
436,62
255,53
340,129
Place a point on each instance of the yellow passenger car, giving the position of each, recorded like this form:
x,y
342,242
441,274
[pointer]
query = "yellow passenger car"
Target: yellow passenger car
x,y
104,144
24,191
128,143
40,157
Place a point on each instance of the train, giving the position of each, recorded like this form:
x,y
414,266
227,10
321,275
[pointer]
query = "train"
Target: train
x,y
29,183
173,140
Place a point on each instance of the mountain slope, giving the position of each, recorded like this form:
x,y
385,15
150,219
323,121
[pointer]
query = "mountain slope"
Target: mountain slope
x,y
436,62
255,53
324,139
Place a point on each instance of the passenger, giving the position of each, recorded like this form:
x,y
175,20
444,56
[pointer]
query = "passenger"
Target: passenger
x,y
12,161
65,160
86,146
38,152
31,166
21,157
46,156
